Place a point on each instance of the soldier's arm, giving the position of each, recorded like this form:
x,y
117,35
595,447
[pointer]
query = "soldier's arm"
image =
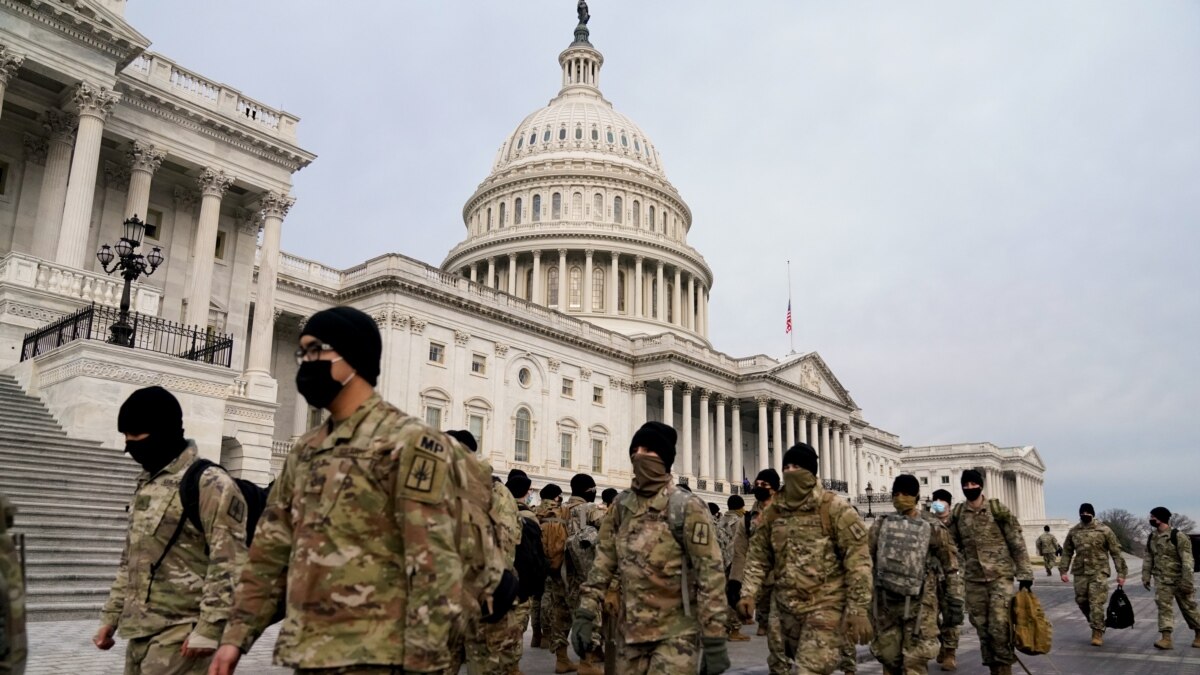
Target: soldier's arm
x,y
947,555
700,538
741,548
603,572
263,579
111,614
851,536
1064,563
1016,548
1147,561
1187,563
760,559
1114,548
223,515
505,509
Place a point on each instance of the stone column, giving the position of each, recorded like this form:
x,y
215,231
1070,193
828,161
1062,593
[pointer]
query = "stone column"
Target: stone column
x,y
213,184
639,404
490,282
826,472
536,291
60,130
10,63
512,273
677,300
777,429
668,386
275,207
686,435
790,424
638,286
585,304
814,439
835,454
94,104
706,473
764,458
704,311
144,160
475,272
735,418
1022,511
614,278
660,294
722,467
562,280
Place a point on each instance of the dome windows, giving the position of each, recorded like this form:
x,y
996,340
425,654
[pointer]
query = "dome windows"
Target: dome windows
x,y
532,138
637,213
546,136
618,207
577,206
502,214
579,133
610,137
552,287
595,134
598,207
651,219
637,146
562,134
537,208
556,206
518,207
624,140
520,142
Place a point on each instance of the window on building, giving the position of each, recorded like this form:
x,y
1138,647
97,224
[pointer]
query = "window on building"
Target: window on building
x,y
437,352
433,416
598,207
522,436
618,210
552,287
945,480
566,443
537,208
595,134
4,171
609,135
577,206
597,289
219,249
598,455
924,480
637,213
154,219
579,133
479,364
520,142
546,136
624,141
653,298
568,387
670,300
525,377
598,395
664,223
503,215
562,134
532,139
556,206
575,289
489,220
529,284
518,206
621,292
650,221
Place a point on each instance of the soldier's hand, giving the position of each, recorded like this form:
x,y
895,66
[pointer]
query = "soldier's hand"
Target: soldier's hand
x,y
1066,579
1120,582
716,656
104,637
745,609
581,631
856,626
226,660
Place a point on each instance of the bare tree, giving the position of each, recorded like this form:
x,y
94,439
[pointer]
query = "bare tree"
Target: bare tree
x,y
1131,531
1183,523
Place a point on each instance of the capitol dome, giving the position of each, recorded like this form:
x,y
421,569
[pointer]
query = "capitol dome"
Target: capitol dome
x,y
577,215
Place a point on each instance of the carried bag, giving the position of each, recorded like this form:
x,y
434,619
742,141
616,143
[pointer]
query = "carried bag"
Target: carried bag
x,y
1032,632
554,538
531,562
1120,610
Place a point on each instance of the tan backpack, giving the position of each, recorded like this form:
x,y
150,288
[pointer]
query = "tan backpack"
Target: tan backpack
x,y
554,537
1032,632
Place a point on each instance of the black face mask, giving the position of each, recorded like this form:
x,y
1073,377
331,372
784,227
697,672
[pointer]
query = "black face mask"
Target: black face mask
x,y
589,496
762,494
315,383
154,454
1154,523
972,493
1085,518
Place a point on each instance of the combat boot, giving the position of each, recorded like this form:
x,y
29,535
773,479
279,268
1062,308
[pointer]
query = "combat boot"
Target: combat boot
x,y
762,630
736,635
1196,642
1097,638
536,642
1165,641
948,660
562,662
590,665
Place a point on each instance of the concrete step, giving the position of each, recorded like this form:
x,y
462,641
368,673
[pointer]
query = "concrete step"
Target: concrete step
x,y
68,539
43,505
74,567
109,496
74,611
9,425
30,515
21,409
49,467
48,552
66,454
69,482
77,579
52,526
36,438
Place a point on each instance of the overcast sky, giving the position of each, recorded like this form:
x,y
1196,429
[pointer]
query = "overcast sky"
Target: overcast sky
x,y
992,210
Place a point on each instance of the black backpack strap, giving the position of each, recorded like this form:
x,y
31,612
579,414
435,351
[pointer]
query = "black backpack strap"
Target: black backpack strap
x,y
189,496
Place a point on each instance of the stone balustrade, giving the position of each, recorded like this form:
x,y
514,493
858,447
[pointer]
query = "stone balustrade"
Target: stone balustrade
x,y
19,269
549,227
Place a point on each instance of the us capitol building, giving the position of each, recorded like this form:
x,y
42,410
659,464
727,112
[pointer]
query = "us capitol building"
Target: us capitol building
x,y
573,310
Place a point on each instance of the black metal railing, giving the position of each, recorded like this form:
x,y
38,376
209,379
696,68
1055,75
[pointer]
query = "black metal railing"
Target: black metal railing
x,y
149,333
836,485
877,498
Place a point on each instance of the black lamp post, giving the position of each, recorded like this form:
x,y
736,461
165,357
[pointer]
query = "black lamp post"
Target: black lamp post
x,y
869,491
132,265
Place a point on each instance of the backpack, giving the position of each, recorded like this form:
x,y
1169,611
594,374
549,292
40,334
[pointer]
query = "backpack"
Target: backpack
x,y
1174,545
582,538
1120,610
1001,515
531,562
676,514
901,554
1032,632
554,538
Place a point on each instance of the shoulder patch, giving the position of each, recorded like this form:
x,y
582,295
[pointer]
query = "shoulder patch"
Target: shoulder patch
x,y
237,510
423,476
431,445
857,530
700,534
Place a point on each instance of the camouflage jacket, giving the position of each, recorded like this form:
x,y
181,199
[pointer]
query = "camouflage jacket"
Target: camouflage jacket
x,y
196,580
1091,546
366,527
13,641
638,549
741,546
1047,544
990,541
595,517
943,581
727,529
816,566
1166,563
508,523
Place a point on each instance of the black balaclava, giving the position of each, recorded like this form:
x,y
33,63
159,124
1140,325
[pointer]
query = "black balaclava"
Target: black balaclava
x,y
608,495
803,456
652,472
153,411
584,487
736,503
658,438
972,476
550,491
1086,513
714,509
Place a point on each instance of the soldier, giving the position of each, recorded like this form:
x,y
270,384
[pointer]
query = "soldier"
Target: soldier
x,y
1047,547
910,551
1168,560
580,513
992,548
817,545
556,613
363,530
547,496
766,486
171,602
715,512
607,498
511,648
948,631
734,518
659,542
13,648
1091,544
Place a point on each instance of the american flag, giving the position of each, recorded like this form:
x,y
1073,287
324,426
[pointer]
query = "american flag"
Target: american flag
x,y
788,327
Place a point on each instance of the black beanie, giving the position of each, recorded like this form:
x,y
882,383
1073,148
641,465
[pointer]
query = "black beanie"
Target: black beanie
x,y
608,495
581,483
770,477
906,484
735,502
465,437
1161,514
518,483
1046,528
801,455
658,438
1087,508
971,476
942,496
153,411
550,491
713,508
353,335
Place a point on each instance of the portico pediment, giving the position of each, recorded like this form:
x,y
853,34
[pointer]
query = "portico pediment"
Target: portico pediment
x,y
810,372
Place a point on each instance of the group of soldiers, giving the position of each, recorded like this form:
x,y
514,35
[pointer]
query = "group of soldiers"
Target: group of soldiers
x,y
387,546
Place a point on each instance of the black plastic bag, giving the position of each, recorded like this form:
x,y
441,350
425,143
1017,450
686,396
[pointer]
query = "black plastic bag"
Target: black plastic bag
x,y
1120,610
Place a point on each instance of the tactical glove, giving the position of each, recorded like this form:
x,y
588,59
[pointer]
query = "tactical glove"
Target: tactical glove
x,y
581,631
733,591
716,656
856,626
745,609
1025,585
953,612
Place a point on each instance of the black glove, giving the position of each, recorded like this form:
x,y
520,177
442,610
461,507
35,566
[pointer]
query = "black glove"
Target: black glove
x,y
1025,585
503,598
716,656
952,613
733,592
581,631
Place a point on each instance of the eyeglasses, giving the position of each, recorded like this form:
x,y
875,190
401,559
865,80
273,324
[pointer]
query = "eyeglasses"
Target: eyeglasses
x,y
312,352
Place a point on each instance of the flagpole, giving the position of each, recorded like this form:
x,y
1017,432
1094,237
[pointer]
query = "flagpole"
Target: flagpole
x,y
791,333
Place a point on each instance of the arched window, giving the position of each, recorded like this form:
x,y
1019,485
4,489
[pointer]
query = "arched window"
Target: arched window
x,y
610,137
624,141
637,213
552,287
651,220
598,207
621,292
556,206
529,284
523,434
562,134
595,134
502,214
546,135
520,142
597,289
637,147
664,227
577,206
579,133
532,138
489,224
618,208
653,298
670,301
517,208
575,289
537,208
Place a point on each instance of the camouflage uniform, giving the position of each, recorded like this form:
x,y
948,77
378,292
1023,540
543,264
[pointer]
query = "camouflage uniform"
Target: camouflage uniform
x,y
907,643
556,613
1047,547
371,523
1171,568
1085,553
737,566
192,591
992,548
948,633
509,642
13,648
820,576
576,578
488,647
643,554
727,528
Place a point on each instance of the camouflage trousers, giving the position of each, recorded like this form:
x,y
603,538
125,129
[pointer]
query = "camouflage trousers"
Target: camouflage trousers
x,y
535,613
665,657
806,644
495,648
1049,561
905,644
1166,596
556,613
158,654
989,606
948,636
357,670
1091,594
849,661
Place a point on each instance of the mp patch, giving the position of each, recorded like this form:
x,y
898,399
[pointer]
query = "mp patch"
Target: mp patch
x,y
424,476
700,535
237,510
